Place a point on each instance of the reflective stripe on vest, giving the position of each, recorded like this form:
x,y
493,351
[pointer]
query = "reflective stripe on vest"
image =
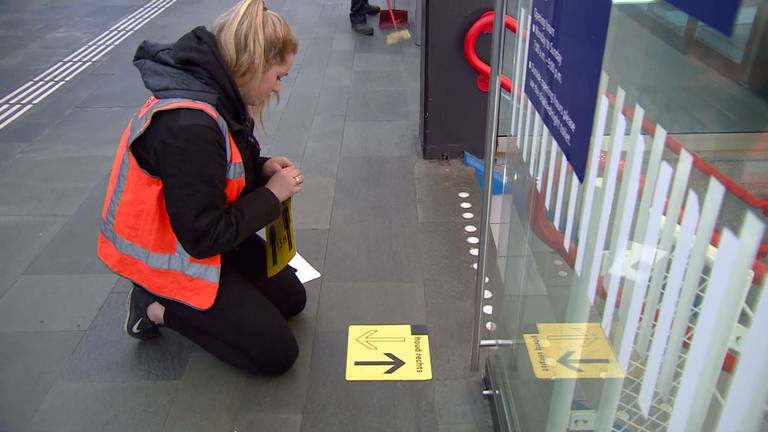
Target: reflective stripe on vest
x,y
179,260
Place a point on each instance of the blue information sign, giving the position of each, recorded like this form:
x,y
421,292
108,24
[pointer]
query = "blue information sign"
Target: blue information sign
x,y
565,55
718,14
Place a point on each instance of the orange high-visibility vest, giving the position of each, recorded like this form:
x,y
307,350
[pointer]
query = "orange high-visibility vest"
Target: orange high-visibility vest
x,y
135,237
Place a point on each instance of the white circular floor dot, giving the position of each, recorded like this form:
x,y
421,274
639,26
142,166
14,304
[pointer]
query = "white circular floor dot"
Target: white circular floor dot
x,y
474,251
470,228
465,205
463,194
467,215
558,262
473,240
562,273
488,309
474,265
487,294
490,326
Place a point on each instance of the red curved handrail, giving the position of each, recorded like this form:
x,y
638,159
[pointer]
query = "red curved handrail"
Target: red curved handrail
x,y
485,25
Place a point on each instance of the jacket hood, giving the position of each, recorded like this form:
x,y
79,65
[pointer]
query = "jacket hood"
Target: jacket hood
x,y
192,68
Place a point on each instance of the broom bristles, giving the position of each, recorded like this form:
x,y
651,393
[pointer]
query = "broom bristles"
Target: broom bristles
x,y
398,37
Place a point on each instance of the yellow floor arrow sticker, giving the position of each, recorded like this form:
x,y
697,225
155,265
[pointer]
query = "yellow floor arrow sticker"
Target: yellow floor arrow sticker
x,y
388,352
571,350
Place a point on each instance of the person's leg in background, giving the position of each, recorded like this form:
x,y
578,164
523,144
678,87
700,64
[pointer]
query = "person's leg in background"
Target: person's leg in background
x,y
357,16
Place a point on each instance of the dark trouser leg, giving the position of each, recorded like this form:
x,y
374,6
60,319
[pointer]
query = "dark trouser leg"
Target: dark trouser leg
x,y
357,11
246,326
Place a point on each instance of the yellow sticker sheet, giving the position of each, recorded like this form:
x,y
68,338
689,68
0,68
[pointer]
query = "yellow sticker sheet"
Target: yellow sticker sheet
x,y
388,352
281,241
571,350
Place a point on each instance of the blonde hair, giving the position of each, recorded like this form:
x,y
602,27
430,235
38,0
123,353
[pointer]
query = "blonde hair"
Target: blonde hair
x,y
252,39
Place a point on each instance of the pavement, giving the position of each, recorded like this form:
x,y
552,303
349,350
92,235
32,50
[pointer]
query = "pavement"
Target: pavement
x,y
381,224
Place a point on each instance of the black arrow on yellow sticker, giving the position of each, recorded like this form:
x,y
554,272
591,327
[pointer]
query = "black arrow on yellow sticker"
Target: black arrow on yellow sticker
x,y
396,363
366,339
568,362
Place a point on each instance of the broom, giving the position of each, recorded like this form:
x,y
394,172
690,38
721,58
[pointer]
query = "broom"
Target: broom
x,y
396,36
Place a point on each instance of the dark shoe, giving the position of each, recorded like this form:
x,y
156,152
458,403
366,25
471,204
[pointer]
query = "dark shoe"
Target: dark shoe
x,y
363,29
372,10
137,323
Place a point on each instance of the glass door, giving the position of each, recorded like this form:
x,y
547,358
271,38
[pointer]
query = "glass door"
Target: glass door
x,y
630,299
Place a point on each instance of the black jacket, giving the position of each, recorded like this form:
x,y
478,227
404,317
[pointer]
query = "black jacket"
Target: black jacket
x,y
186,150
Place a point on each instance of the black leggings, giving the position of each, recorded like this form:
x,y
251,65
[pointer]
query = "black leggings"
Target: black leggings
x,y
246,326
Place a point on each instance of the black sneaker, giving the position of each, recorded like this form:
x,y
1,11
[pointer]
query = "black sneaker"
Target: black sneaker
x,y
363,29
371,10
137,324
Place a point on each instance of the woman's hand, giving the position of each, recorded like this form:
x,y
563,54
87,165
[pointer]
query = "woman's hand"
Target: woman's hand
x,y
275,164
285,182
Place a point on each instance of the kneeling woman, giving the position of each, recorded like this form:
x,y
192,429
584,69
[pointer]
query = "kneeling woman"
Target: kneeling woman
x,y
189,190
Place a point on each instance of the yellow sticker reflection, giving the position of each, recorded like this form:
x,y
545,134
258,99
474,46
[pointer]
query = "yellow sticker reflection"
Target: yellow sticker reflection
x,y
571,350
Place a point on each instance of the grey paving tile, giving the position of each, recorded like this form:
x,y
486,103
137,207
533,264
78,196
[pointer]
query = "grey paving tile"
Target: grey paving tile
x,y
377,61
309,80
376,183
30,367
380,138
376,79
466,428
334,404
344,41
105,407
9,150
207,398
342,304
106,353
15,77
338,73
445,253
371,248
461,402
312,206
31,185
450,320
327,128
34,57
333,100
54,303
23,238
438,184
299,113
321,159
117,61
122,285
112,91
312,246
415,406
73,249
380,105
82,132
268,422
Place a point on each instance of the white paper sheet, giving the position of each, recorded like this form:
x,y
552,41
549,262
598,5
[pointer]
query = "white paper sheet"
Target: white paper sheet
x,y
304,270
